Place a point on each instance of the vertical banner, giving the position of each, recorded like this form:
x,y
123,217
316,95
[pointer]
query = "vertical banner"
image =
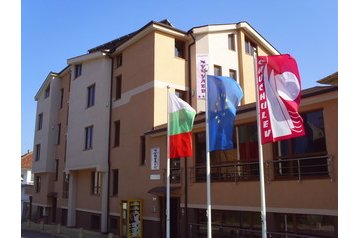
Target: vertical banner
x,y
155,158
279,95
134,219
202,67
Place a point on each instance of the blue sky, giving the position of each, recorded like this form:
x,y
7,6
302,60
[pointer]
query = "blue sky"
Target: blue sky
x,y
54,31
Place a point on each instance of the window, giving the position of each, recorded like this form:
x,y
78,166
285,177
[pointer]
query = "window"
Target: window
x,y
38,152
91,95
232,74
248,149
175,170
179,48
223,162
114,182
118,87
39,121
58,133
65,185
37,184
119,60
88,137
78,70
96,183
217,70
61,98
181,94
47,91
231,41
56,175
117,133
250,47
142,150
304,156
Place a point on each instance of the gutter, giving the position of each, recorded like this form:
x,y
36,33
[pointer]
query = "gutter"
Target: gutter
x,y
189,65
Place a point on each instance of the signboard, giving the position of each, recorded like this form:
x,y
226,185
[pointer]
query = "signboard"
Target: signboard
x,y
155,158
202,67
131,221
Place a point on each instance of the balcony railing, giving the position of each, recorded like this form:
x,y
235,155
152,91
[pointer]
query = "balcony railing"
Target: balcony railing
x,y
300,168
222,231
228,172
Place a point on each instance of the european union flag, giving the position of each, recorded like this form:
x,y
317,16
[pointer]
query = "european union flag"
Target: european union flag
x,y
223,97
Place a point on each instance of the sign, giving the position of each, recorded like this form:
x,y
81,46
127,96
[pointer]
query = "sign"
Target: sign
x,y
155,177
155,158
202,67
134,219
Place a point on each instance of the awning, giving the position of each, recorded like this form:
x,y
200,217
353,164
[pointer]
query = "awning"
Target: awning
x,y
162,191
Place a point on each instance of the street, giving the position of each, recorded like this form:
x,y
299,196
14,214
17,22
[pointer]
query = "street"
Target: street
x,y
34,234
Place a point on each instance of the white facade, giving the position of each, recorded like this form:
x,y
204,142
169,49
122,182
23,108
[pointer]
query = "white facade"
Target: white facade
x,y
46,137
96,70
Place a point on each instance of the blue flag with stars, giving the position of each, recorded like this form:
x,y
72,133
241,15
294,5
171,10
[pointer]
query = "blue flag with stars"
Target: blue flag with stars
x,y
224,96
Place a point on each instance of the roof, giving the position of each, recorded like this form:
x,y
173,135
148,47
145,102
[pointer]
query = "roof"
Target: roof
x,y
26,160
112,45
330,79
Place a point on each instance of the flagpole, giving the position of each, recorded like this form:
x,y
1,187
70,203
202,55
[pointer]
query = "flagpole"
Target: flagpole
x,y
261,163
168,169
208,182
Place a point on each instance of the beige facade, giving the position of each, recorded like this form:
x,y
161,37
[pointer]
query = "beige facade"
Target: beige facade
x,y
131,76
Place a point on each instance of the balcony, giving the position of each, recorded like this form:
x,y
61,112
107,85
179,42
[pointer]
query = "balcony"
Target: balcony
x,y
314,167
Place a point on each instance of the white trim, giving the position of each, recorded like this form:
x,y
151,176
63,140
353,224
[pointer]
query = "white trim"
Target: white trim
x,y
151,218
86,57
115,214
40,205
327,212
88,210
126,97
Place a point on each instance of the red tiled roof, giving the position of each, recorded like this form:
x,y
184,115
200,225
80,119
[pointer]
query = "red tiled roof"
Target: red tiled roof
x,y
26,161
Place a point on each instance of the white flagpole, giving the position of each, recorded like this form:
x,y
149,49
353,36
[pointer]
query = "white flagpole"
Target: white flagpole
x,y
168,168
261,163
208,182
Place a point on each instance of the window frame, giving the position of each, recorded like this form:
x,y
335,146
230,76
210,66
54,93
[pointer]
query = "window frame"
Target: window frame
x,y
117,133
91,95
96,183
78,70
38,152
39,121
218,70
88,138
179,49
231,42
118,92
115,182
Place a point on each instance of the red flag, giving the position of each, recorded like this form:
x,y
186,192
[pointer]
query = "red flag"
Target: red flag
x,y
279,95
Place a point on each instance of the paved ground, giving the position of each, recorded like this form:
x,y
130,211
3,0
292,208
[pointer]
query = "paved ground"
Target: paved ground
x,y
37,230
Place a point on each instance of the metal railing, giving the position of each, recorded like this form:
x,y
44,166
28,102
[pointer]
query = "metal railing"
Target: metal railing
x,y
229,172
221,231
300,168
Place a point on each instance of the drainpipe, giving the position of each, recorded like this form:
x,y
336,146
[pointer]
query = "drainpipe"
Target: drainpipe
x,y
186,159
109,138
189,63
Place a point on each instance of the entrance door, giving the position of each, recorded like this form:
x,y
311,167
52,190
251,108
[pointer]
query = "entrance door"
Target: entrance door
x,y
174,217
54,209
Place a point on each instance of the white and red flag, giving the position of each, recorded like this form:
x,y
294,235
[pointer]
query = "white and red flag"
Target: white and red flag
x,y
279,95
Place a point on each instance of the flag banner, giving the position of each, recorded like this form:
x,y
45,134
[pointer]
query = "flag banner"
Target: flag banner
x,y
224,96
279,95
202,66
181,120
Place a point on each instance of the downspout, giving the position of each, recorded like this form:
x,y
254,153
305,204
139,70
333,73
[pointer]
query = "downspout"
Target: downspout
x,y
189,64
109,139
186,159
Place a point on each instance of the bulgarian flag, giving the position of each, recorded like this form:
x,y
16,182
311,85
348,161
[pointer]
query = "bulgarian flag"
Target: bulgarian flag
x,y
181,120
